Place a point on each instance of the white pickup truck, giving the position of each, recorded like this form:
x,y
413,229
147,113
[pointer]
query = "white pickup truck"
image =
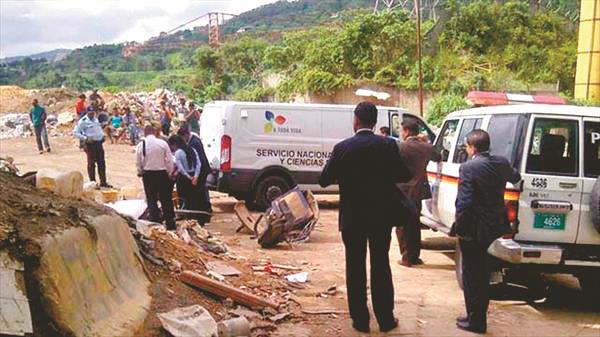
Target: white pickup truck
x,y
554,210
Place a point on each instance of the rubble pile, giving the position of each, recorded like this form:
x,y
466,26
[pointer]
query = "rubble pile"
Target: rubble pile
x,y
142,103
175,258
14,99
14,125
15,104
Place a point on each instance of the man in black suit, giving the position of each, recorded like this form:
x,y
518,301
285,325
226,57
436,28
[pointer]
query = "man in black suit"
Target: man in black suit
x,y
480,219
195,142
366,167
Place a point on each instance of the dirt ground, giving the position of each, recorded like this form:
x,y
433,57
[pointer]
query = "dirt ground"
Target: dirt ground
x,y
427,297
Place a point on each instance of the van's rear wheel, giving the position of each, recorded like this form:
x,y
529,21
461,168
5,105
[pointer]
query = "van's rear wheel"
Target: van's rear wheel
x,y
269,189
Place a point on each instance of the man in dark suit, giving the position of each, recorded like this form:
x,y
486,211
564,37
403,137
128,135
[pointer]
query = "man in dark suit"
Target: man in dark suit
x,y
195,142
366,167
480,219
416,152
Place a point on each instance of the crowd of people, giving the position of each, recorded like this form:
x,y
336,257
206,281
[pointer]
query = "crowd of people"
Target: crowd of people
x,y
164,158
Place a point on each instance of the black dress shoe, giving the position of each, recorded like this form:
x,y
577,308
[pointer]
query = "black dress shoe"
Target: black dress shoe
x,y
471,327
417,262
361,327
462,319
389,327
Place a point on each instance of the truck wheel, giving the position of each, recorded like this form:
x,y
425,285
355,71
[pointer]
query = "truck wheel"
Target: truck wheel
x,y
595,205
458,261
269,189
590,285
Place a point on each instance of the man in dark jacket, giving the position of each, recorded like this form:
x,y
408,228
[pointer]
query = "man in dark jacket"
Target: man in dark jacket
x,y
416,152
196,143
480,219
366,167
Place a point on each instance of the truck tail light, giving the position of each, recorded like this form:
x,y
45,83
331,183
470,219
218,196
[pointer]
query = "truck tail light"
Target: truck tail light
x,y
225,153
512,213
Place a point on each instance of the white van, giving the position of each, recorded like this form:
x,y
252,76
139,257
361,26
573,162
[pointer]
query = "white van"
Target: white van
x,y
259,150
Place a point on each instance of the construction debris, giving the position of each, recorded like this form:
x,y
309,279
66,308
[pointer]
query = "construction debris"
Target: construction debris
x,y
234,327
15,316
7,165
222,268
68,184
15,103
291,218
323,311
189,321
331,291
248,222
224,290
298,278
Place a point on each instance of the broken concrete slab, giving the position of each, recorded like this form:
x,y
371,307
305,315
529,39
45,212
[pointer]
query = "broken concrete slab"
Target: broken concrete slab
x,y
67,184
222,268
92,280
15,314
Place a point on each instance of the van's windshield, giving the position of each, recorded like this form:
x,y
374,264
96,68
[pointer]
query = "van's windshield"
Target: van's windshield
x,y
506,136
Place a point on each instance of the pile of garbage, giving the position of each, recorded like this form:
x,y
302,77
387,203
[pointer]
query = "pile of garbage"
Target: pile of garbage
x,y
60,106
15,125
14,99
229,289
143,103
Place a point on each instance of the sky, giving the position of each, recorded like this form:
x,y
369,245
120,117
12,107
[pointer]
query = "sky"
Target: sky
x,y
33,26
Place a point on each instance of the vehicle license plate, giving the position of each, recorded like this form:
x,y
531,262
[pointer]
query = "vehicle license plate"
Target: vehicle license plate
x,y
549,221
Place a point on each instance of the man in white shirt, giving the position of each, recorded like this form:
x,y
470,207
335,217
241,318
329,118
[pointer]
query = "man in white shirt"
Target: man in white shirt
x,y
155,163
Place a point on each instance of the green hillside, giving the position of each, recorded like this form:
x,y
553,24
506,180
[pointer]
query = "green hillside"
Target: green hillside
x,y
319,46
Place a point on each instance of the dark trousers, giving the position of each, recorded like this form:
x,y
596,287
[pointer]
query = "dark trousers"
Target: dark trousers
x,y
409,238
95,157
476,280
195,198
166,127
158,186
41,137
382,288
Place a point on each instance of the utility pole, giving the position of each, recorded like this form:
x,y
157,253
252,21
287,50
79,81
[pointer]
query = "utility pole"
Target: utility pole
x,y
418,12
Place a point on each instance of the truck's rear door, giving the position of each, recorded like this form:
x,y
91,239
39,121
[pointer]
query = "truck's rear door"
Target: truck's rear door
x,y
550,204
591,170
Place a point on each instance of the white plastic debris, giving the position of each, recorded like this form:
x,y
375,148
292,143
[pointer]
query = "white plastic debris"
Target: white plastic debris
x,y
298,278
133,208
189,321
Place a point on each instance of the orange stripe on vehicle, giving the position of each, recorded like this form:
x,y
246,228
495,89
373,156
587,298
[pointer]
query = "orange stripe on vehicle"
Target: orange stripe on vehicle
x,y
445,179
511,195
450,180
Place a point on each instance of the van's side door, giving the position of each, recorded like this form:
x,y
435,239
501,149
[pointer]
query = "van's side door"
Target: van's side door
x,y
591,170
550,204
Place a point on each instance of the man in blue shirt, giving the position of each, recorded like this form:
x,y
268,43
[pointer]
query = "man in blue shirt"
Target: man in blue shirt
x,y
90,131
38,119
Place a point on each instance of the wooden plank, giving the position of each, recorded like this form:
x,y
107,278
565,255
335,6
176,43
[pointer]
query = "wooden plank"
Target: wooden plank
x,y
224,290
